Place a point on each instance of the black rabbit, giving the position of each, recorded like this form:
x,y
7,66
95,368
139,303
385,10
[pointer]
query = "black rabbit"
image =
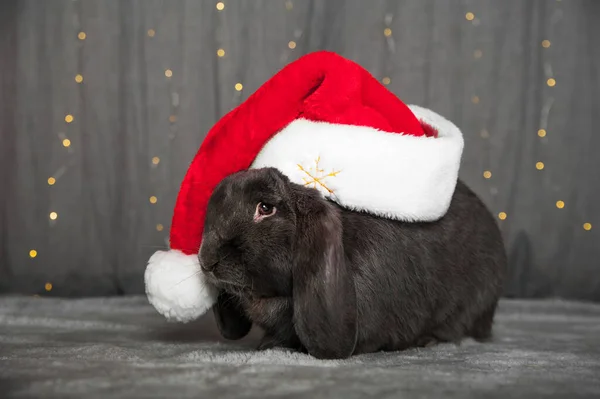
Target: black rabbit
x,y
333,282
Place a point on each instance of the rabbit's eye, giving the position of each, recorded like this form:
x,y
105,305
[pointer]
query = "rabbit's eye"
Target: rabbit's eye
x,y
265,209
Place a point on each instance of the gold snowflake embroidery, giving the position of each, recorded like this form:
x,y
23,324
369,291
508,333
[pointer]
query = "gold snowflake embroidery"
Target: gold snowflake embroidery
x,y
317,176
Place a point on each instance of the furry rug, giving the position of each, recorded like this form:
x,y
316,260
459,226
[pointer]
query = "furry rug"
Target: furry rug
x,y
121,348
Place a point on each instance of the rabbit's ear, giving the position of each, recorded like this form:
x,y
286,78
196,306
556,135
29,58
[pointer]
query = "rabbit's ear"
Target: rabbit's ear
x,y
324,296
230,317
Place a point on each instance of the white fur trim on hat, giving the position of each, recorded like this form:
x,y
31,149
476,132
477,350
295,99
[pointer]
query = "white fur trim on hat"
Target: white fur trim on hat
x,y
392,175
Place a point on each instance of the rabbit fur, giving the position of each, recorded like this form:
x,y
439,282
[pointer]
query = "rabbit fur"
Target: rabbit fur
x,y
334,282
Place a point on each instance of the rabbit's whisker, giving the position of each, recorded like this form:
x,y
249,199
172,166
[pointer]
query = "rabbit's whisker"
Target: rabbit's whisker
x,y
187,278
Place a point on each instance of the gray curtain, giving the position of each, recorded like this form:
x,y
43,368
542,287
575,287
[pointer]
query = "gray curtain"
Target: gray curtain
x,y
520,78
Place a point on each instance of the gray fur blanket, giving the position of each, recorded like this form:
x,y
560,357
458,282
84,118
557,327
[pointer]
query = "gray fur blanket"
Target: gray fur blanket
x,y
121,348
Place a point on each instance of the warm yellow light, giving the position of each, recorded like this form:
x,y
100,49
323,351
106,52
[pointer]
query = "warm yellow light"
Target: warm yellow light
x,y
387,32
560,204
542,132
292,44
53,215
151,32
220,6
81,35
487,174
502,215
69,118
159,227
48,286
221,52
539,165
172,118
386,80
153,200
477,53
545,43
551,82
587,226
78,78
469,16
32,253
66,142
475,100
168,73
239,86
155,160
51,181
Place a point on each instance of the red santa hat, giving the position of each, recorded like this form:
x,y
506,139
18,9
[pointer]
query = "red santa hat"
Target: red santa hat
x,y
327,123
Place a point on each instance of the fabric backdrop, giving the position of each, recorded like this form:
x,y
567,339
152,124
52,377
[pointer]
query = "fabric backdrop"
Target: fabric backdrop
x,y
104,103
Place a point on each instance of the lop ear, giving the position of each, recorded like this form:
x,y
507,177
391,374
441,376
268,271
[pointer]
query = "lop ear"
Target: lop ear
x,y
230,317
323,285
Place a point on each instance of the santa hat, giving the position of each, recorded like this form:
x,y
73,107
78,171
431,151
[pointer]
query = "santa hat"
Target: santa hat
x,y
326,123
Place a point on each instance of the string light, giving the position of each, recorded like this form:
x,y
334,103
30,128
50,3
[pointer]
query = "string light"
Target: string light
x,y
78,78
32,253
386,80
288,5
539,165
168,73
551,82
545,43
484,134
220,6
502,215
69,118
51,181
66,143
475,100
542,133
155,160
48,286
153,200
159,227
387,32
560,204
487,174
81,35
172,118
292,44
477,53
587,226
53,215
239,86
151,32
469,16
221,52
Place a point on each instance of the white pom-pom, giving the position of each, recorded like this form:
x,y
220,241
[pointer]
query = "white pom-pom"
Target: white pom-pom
x,y
176,286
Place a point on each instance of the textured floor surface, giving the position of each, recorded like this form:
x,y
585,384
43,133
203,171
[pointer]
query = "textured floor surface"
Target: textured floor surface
x,y
121,348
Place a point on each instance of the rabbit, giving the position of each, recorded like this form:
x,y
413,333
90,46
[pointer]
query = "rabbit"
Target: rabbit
x,y
333,283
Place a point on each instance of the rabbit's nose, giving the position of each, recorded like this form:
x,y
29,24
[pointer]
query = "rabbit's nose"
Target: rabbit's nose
x,y
208,267
207,264
207,256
